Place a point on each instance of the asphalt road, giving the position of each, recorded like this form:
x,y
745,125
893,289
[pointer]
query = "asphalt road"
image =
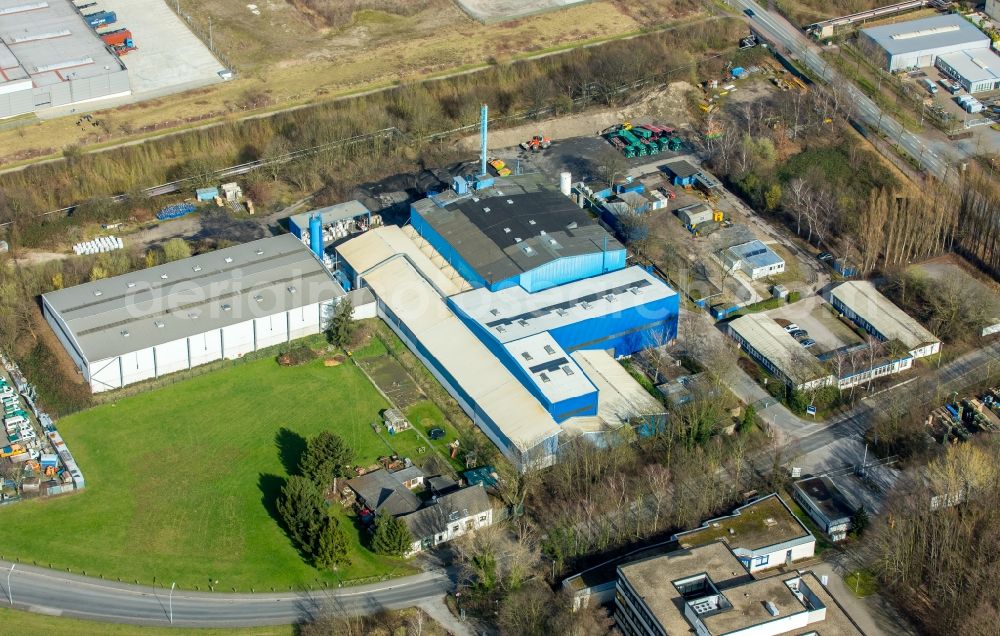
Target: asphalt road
x,y
955,375
57,594
779,31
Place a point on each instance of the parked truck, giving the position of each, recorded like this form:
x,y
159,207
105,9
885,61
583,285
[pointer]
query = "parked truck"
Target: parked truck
x,y
101,18
117,37
929,85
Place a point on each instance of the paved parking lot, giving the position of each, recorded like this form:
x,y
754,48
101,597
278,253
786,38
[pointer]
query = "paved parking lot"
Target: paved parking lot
x,y
170,58
823,327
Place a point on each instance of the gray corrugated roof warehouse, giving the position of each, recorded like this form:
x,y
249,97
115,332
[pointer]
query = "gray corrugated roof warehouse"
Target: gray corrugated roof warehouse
x,y
49,56
230,292
918,43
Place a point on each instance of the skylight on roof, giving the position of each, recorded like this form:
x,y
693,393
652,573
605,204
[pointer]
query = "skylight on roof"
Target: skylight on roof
x,y
526,356
567,370
549,350
544,377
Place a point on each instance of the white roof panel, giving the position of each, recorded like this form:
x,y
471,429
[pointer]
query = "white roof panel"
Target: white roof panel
x,y
888,319
513,313
500,396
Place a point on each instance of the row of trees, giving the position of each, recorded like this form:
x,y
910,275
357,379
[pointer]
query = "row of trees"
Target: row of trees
x,y
553,84
303,506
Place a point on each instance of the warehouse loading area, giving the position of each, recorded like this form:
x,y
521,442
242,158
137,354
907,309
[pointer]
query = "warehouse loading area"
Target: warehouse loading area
x,y
169,57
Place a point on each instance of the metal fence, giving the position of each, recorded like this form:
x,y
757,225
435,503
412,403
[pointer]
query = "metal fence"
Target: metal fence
x,y
206,37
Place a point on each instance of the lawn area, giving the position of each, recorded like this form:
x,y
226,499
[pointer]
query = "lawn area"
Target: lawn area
x,y
18,622
181,481
822,542
862,583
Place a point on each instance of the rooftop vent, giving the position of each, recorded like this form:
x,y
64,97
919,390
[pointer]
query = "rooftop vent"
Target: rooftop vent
x,y
229,259
486,210
193,314
531,222
561,312
609,297
585,305
98,292
522,322
197,268
260,252
227,307
159,324
259,298
130,284
772,609
770,521
506,230
510,201
571,226
527,250
500,329
164,276
633,290
291,289
125,333
495,311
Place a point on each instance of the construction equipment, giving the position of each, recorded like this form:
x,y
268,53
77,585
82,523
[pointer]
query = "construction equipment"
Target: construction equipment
x,y
536,143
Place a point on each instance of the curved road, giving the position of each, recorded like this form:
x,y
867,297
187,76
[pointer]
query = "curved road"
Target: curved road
x,y
57,594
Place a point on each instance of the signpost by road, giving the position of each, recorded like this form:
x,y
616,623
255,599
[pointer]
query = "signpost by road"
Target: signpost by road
x,y
170,601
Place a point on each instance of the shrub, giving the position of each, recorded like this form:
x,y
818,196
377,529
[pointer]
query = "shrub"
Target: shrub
x,y
295,356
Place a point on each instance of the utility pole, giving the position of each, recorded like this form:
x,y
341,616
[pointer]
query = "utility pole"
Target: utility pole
x,y
10,591
211,43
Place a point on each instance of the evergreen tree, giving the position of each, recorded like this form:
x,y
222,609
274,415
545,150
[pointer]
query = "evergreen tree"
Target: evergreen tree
x,y
303,511
859,521
391,536
325,458
331,549
749,419
341,326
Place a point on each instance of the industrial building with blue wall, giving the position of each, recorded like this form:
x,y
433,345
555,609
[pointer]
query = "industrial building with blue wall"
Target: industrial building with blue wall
x,y
534,240
526,283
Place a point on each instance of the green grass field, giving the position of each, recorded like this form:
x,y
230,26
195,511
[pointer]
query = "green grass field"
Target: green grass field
x,y
181,481
18,622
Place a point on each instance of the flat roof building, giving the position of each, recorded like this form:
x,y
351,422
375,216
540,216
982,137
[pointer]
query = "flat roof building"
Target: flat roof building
x,y
860,302
755,259
336,220
534,240
172,317
977,70
708,591
823,501
918,43
762,534
50,56
777,351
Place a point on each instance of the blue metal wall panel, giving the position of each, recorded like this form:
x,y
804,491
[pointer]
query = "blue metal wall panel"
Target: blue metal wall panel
x,y
572,268
294,229
626,331
449,254
578,406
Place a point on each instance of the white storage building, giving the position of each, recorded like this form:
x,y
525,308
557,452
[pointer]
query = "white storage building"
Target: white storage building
x,y
869,309
918,43
172,317
755,259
